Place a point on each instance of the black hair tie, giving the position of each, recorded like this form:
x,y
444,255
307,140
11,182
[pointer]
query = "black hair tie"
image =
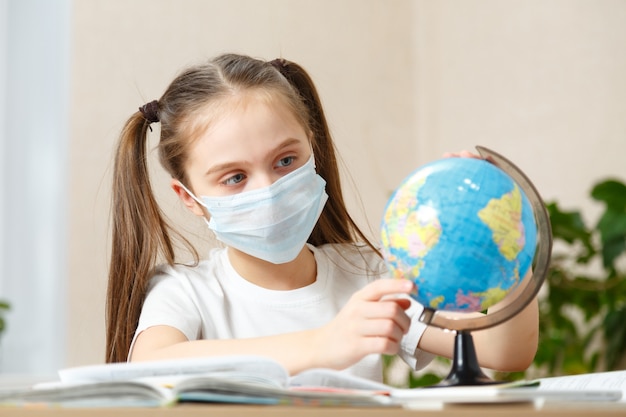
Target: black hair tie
x,y
280,64
150,111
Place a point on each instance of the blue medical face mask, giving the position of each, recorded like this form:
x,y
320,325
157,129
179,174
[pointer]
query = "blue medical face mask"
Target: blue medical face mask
x,y
271,223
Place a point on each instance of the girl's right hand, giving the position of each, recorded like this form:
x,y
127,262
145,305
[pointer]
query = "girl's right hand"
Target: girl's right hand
x,y
372,321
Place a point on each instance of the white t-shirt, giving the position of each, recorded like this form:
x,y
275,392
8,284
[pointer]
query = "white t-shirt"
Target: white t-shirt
x,y
212,301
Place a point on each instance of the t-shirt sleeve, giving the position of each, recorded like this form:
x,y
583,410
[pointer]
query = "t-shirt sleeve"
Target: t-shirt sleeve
x,y
409,352
168,303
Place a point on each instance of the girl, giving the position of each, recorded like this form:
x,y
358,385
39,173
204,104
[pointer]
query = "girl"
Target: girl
x,y
248,148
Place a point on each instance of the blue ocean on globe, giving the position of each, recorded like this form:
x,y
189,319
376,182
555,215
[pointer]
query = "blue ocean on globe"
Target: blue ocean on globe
x,y
462,230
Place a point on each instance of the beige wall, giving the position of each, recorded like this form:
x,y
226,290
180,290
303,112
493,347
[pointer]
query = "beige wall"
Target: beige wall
x,y
541,81
402,81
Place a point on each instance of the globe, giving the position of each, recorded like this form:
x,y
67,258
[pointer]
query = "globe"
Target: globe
x,y
466,231
463,230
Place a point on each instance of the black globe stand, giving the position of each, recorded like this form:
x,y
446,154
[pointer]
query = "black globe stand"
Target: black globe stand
x,y
465,369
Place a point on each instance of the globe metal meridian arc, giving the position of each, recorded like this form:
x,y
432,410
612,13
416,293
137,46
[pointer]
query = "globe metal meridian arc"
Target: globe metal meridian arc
x,y
539,269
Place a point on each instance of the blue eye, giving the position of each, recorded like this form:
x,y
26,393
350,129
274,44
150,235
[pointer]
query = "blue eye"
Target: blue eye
x,y
285,162
235,179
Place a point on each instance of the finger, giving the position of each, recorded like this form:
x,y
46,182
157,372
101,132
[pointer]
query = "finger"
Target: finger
x,y
381,345
403,303
387,310
381,328
382,287
461,154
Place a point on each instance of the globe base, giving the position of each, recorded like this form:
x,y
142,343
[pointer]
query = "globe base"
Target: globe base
x,y
465,369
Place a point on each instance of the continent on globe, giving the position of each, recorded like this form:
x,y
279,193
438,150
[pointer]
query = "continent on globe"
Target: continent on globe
x,y
504,218
418,228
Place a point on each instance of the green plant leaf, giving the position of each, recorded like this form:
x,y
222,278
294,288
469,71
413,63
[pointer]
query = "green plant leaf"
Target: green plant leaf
x,y
615,336
612,225
567,225
612,228
424,380
612,192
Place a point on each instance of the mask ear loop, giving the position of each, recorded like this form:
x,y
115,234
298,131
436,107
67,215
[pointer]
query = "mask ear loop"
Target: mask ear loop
x,y
192,195
197,200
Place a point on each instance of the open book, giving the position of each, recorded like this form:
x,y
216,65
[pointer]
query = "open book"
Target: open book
x,y
260,380
232,379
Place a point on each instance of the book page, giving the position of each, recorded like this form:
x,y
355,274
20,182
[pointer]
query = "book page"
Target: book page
x,y
335,379
206,389
91,394
250,365
517,391
607,381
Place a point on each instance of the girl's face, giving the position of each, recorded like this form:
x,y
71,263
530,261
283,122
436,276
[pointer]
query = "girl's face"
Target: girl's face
x,y
253,142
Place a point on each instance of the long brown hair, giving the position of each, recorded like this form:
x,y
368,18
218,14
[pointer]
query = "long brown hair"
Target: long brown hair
x,y
141,237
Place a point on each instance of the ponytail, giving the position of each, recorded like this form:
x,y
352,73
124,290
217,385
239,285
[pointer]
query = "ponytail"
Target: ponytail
x,y
335,224
140,238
